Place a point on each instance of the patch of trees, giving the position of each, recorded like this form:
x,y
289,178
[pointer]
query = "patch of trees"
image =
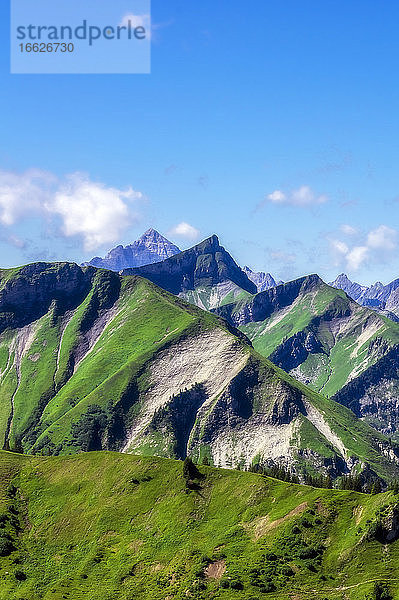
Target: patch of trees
x,y
276,471
299,544
358,483
191,474
351,482
380,592
88,433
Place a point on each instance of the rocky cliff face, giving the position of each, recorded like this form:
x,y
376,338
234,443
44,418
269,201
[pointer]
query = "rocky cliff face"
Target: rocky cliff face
x,y
374,395
150,248
28,295
203,266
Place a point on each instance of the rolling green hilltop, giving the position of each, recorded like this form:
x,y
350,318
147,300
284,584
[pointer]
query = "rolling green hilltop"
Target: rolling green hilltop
x,y
120,527
92,360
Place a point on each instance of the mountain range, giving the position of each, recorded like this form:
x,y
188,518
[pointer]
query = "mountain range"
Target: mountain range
x,y
94,360
314,331
185,357
383,298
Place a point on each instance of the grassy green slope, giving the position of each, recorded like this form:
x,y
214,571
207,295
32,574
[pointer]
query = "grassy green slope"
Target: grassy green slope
x,y
267,335
145,322
345,352
42,393
120,527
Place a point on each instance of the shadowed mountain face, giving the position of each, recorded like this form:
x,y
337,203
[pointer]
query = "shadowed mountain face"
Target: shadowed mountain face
x,y
205,266
152,247
92,360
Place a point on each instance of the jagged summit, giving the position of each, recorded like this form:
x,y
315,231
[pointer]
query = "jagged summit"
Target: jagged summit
x,y
150,248
205,264
263,281
342,279
353,289
380,297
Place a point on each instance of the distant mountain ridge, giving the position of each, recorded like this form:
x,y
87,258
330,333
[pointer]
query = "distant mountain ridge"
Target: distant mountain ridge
x,y
150,248
380,297
353,289
263,281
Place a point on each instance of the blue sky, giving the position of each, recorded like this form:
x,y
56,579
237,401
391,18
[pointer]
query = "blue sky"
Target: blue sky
x,y
274,125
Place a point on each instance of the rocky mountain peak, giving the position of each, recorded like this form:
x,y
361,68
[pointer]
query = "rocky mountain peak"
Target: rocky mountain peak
x,y
263,281
151,232
205,264
353,289
208,245
150,236
342,279
150,248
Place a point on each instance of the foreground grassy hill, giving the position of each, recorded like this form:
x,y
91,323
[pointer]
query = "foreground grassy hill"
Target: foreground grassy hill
x,y
120,527
91,360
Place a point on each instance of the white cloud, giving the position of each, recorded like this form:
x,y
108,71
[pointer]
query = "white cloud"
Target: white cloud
x,y
278,197
22,194
96,213
303,196
384,238
185,230
340,247
348,229
356,257
379,246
